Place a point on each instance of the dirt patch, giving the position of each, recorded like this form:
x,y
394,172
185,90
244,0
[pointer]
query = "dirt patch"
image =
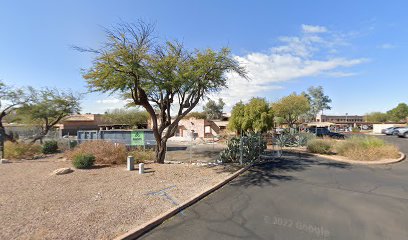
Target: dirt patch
x,y
99,203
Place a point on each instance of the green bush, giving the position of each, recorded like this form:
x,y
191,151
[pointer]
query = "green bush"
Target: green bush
x,y
50,147
83,161
21,150
252,146
355,129
320,146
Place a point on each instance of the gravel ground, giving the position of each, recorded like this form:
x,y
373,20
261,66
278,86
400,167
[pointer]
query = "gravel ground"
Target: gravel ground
x,y
99,203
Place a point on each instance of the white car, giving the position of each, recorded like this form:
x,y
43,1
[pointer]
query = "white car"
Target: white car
x,y
403,132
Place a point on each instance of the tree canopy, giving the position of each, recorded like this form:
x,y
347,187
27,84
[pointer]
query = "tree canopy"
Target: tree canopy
x,y
318,101
164,77
290,108
131,117
10,99
399,113
48,107
376,117
214,110
255,116
196,115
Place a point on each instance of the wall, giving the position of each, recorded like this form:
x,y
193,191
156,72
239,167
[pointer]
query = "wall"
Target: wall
x,y
378,127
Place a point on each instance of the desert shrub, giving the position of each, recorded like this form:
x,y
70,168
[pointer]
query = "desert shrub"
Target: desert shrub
x,y
355,130
50,147
104,152
21,150
366,148
83,161
321,146
142,155
253,145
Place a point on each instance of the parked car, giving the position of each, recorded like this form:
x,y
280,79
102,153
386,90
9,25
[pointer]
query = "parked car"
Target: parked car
x,y
402,132
390,131
324,131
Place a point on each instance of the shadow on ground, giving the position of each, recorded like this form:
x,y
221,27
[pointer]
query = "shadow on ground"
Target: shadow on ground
x,y
282,169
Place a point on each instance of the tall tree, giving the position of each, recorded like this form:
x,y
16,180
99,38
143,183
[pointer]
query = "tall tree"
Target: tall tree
x,y
290,108
255,116
163,77
399,113
213,110
10,99
376,117
318,102
236,121
131,117
47,108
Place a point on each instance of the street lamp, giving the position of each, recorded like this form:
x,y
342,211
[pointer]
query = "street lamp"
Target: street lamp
x,y
346,122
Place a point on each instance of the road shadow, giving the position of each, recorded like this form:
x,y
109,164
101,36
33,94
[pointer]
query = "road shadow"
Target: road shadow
x,y
282,169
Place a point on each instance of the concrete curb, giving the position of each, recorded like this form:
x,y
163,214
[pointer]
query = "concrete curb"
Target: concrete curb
x,y
144,228
342,159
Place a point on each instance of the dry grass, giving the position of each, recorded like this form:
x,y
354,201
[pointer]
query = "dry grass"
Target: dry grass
x,y
104,152
21,150
142,155
366,148
321,146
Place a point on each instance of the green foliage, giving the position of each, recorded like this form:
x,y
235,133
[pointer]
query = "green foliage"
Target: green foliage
x,y
21,150
50,147
196,115
47,108
236,120
355,130
213,110
131,117
321,146
83,161
256,116
294,139
376,117
399,113
318,101
167,79
290,108
252,146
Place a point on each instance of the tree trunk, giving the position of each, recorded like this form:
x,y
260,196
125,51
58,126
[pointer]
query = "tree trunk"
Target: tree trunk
x,y
161,151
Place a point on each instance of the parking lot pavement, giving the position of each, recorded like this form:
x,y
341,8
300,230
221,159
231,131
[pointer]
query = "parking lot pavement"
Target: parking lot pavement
x,y
304,198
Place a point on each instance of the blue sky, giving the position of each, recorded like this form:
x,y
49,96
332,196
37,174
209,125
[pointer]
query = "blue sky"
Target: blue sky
x,y
358,51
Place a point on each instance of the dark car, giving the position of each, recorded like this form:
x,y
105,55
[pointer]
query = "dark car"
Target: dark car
x,y
325,132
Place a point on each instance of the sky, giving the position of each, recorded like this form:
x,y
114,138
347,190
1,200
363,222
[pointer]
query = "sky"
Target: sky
x,y
356,50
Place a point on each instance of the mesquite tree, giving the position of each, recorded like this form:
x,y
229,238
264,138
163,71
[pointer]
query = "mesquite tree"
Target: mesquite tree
x,y
166,79
10,99
48,107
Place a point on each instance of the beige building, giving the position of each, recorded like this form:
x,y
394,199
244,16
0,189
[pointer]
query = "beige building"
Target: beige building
x,y
199,128
73,123
340,119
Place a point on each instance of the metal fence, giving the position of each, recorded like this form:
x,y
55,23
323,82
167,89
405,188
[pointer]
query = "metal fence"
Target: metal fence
x,y
131,138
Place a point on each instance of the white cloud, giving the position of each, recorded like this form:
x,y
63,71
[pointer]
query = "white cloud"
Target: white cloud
x,y
313,29
306,55
109,101
387,46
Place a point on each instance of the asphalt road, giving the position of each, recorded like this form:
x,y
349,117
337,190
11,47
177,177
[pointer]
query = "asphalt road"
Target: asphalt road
x,y
307,199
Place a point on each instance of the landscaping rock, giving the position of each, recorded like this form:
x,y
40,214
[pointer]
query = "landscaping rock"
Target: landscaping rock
x,y
62,171
172,162
4,161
